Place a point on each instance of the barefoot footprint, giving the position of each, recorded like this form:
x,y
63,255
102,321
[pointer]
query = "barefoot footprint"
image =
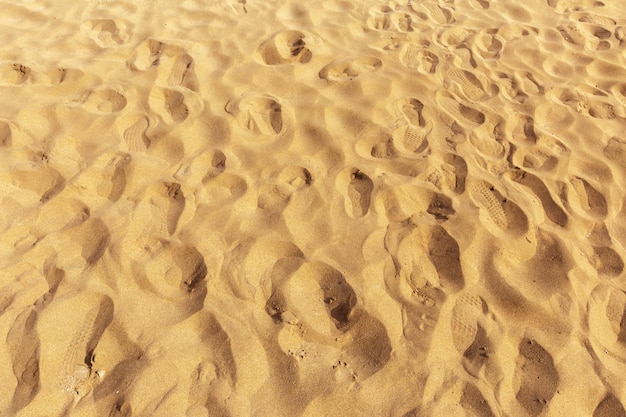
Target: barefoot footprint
x,y
356,188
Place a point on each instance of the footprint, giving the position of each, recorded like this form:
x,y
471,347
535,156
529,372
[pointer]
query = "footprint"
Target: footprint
x,y
375,142
437,14
175,205
23,344
425,254
170,104
455,172
148,54
409,279
172,276
276,196
601,110
14,74
591,37
176,69
537,377
528,84
135,135
488,44
91,237
606,261
350,69
384,18
544,274
454,37
105,32
160,209
285,47
114,177
55,76
469,84
369,348
499,214
238,7
356,187
419,58
606,310
45,182
570,6
480,4
615,151
473,400
441,207
176,272
546,155
444,253
521,128
572,34
223,190
76,375
202,169
103,101
593,18
410,140
469,335
6,134
466,313
465,116
411,110
589,199
538,159
273,197
489,146
317,299
610,406
619,91
259,114
306,281
379,17
553,211
510,88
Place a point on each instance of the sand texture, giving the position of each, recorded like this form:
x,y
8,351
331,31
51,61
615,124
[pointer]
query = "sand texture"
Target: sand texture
x,y
320,208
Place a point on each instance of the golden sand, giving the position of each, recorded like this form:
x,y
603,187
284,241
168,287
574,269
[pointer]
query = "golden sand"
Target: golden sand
x,y
313,208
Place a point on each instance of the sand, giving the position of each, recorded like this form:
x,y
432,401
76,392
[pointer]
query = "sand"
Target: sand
x,y
322,208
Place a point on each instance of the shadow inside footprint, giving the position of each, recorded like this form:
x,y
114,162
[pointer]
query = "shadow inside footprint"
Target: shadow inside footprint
x,y
105,32
370,348
259,114
606,261
23,343
553,211
5,134
350,69
284,48
419,250
359,193
474,401
103,101
610,406
303,290
537,376
176,274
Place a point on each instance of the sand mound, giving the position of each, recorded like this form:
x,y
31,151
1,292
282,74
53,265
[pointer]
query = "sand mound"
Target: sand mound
x,y
326,208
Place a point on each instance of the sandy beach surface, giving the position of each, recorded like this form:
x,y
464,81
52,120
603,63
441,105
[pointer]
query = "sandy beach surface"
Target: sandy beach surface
x,y
324,208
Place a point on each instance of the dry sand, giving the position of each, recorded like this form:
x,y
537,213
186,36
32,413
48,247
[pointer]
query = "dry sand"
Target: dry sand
x,y
313,208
